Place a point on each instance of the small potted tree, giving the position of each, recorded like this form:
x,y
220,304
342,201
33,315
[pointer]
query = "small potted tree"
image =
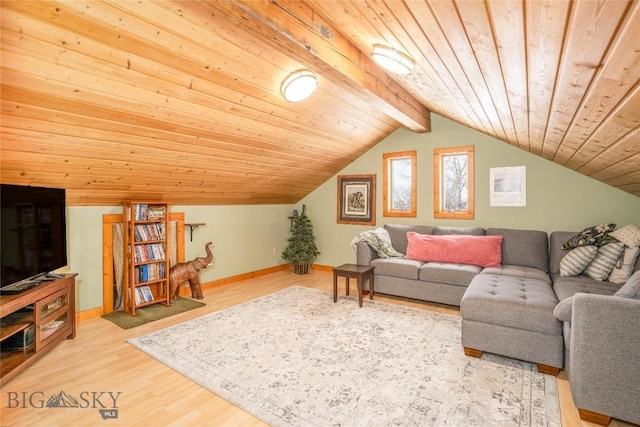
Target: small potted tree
x,y
301,250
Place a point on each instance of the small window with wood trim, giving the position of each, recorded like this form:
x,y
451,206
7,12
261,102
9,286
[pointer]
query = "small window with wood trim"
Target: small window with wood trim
x,y
399,172
453,182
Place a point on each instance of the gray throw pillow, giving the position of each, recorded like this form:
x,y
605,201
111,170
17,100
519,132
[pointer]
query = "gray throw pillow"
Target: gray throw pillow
x,y
604,262
562,312
631,289
577,259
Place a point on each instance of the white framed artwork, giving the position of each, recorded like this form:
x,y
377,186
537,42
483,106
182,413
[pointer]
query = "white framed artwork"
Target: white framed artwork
x,y
508,186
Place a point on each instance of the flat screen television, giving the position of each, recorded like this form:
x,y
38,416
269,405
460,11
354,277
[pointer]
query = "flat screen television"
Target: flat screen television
x,y
33,232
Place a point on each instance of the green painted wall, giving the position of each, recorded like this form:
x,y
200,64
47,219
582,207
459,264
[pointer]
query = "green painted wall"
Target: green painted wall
x,y
84,247
244,238
557,198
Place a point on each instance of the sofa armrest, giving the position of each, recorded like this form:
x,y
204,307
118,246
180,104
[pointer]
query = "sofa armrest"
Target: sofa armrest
x,y
364,253
604,370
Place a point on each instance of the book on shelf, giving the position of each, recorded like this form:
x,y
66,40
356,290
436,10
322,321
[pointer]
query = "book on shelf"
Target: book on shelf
x,y
155,213
149,272
148,295
154,253
140,212
147,232
143,294
146,212
147,253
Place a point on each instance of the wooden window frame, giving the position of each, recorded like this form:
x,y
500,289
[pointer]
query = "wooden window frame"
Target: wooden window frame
x,y
386,184
437,184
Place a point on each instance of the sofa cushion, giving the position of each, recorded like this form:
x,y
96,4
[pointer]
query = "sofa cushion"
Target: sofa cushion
x,y
631,289
577,259
629,235
398,234
563,310
471,231
451,274
518,271
484,251
528,248
564,287
397,267
624,268
594,235
602,265
512,302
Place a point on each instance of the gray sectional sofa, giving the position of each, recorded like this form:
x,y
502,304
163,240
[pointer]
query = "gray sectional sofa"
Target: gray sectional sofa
x,y
525,253
509,310
602,342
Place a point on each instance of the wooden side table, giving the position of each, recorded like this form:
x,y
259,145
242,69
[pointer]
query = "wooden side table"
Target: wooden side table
x,y
359,272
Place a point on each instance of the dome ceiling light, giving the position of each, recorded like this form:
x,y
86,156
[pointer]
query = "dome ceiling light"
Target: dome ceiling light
x,y
392,59
299,86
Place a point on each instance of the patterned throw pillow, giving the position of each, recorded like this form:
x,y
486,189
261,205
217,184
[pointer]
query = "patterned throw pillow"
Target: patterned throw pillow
x,y
629,235
594,235
576,260
624,267
605,260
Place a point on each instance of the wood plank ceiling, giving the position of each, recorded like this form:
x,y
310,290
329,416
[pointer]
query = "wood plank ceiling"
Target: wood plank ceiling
x,y
179,101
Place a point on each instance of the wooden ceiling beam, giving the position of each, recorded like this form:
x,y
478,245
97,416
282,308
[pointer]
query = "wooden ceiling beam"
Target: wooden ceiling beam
x,y
293,28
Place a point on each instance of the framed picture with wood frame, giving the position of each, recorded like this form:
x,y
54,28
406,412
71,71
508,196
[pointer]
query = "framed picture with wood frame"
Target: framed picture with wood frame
x,y
357,199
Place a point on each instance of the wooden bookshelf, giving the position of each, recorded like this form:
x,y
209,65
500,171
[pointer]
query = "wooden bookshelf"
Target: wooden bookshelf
x,y
145,253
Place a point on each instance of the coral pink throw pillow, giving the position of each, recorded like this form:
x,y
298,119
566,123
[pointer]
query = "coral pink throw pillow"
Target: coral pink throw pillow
x,y
485,251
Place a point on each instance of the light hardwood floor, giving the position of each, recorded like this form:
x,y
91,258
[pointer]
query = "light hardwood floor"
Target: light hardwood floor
x,y
151,394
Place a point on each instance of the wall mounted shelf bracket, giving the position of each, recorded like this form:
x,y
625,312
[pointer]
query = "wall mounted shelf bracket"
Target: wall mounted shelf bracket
x,y
193,227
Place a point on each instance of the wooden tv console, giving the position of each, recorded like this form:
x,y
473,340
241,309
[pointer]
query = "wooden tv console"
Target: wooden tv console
x,y
46,312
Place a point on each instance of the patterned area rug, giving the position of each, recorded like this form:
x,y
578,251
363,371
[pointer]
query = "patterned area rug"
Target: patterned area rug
x,y
295,358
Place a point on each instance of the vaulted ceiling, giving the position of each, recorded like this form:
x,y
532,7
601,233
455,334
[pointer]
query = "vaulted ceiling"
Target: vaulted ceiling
x,y
180,101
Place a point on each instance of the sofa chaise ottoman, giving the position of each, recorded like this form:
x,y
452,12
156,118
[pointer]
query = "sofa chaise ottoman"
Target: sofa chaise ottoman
x,y
512,316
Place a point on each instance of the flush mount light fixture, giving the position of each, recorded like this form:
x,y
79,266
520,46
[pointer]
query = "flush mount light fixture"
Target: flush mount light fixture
x,y
393,60
299,85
